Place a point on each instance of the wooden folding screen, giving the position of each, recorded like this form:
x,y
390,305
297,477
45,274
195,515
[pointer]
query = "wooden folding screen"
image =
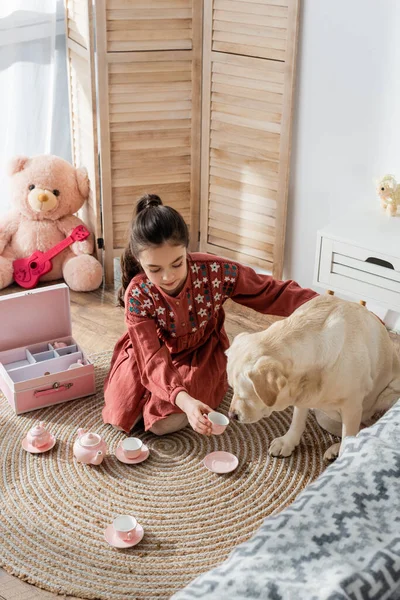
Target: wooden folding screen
x,y
248,70
82,96
149,88
155,101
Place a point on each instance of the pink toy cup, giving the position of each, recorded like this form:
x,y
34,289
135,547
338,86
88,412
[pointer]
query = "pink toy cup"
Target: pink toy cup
x,y
124,527
219,422
131,447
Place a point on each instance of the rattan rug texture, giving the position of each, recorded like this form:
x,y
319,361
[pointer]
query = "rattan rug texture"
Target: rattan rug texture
x,y
54,510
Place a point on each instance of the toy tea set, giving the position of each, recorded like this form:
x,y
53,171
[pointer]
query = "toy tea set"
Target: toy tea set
x,y
90,448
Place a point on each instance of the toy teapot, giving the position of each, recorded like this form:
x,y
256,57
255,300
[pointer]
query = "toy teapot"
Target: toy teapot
x,y
38,436
89,448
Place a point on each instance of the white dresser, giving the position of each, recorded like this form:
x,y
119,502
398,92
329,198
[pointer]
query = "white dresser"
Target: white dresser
x,y
360,256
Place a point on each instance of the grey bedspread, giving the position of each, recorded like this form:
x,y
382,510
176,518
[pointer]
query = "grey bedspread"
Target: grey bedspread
x,y
339,540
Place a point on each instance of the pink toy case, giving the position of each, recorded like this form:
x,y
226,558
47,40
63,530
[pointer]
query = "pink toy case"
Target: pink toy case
x,y
33,372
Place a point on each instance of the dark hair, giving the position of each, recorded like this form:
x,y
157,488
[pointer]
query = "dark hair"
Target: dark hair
x,y
153,224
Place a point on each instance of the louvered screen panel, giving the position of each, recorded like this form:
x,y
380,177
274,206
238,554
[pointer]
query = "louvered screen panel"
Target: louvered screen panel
x,y
83,105
77,20
251,28
149,87
149,25
246,111
150,112
248,56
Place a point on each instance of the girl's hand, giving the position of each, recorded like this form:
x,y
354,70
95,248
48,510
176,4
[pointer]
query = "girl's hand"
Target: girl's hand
x,y
195,412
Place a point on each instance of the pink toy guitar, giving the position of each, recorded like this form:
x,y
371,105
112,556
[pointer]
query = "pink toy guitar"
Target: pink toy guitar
x,y
27,271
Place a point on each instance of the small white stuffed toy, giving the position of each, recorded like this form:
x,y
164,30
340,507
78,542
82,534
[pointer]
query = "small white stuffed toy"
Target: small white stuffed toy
x,y
389,193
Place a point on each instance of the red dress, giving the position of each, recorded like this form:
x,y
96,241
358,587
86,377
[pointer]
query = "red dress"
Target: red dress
x,y
178,343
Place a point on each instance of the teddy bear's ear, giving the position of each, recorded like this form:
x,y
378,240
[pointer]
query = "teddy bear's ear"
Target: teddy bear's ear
x,y
17,164
83,182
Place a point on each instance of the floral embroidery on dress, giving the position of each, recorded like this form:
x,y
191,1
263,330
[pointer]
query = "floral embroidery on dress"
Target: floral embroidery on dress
x,y
135,306
207,299
192,318
138,303
168,325
230,274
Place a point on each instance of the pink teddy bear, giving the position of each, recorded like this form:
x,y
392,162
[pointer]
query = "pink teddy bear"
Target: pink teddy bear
x,y
46,191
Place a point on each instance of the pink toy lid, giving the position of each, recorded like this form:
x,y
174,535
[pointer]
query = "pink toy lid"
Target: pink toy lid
x,y
38,429
34,316
90,439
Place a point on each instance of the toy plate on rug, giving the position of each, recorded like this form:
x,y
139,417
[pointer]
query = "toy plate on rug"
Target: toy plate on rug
x,y
119,453
33,450
111,537
221,462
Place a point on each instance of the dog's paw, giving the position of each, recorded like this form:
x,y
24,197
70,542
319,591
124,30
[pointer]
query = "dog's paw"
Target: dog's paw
x,y
332,452
281,446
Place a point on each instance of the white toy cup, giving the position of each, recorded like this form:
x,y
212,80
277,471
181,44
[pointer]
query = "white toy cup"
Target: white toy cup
x,y
131,447
124,527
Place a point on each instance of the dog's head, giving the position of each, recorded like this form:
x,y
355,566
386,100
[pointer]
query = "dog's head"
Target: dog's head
x,y
258,382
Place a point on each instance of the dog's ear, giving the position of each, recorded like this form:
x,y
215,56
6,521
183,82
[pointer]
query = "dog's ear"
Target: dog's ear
x,y
268,379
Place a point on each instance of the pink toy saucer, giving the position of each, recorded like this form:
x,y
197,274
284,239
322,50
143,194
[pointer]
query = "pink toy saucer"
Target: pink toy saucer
x,y
29,448
111,537
220,462
119,453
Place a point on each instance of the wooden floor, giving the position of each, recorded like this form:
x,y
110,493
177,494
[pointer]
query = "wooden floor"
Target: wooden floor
x,y
96,324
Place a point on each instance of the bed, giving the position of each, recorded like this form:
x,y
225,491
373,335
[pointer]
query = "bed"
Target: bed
x,y
339,540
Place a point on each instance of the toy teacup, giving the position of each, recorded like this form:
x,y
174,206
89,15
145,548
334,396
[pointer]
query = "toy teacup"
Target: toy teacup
x,y
219,422
131,447
124,527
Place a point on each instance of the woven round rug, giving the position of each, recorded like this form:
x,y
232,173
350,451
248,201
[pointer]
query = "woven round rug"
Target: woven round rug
x,y
55,510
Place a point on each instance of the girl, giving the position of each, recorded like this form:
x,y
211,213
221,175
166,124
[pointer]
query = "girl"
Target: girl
x,y
170,366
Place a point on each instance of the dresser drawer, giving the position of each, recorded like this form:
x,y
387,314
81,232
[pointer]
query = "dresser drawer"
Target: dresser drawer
x,y
352,269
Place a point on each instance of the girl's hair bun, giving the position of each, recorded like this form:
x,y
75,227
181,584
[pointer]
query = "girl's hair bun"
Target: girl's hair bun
x,y
148,201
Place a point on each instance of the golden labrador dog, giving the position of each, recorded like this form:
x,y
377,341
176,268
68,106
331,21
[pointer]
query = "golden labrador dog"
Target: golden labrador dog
x,y
330,354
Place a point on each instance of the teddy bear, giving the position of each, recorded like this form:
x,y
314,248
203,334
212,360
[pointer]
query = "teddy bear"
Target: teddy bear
x,y
46,191
389,193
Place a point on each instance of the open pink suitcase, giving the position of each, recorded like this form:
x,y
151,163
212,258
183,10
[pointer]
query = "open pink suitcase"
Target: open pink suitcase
x,y
33,372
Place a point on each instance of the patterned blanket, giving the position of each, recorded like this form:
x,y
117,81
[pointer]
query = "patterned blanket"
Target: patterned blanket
x,y
339,540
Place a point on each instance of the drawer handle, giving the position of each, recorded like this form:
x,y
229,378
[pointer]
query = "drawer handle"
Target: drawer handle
x,y
380,262
56,387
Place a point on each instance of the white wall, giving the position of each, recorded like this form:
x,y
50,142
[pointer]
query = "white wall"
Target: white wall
x,y
346,121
